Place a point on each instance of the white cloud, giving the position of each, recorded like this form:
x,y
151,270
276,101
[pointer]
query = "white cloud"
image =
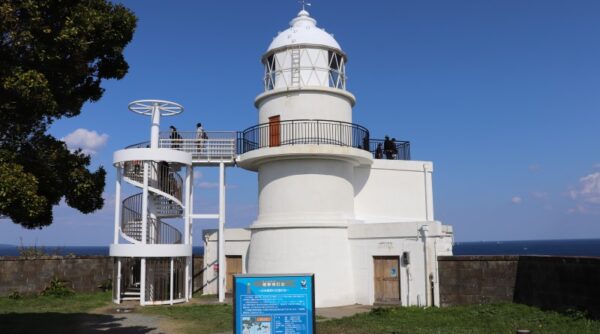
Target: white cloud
x,y
572,194
516,200
88,141
586,195
534,168
208,185
542,198
213,185
590,188
596,166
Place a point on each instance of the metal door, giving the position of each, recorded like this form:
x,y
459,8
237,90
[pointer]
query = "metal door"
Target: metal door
x,y
274,131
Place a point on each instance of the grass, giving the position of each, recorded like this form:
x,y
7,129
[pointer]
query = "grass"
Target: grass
x,y
50,314
196,319
501,318
77,303
47,314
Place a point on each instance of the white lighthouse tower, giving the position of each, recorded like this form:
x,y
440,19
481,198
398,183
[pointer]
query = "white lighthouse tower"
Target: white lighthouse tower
x,y
334,201
305,149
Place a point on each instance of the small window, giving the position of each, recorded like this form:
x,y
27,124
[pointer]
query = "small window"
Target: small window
x,y
270,69
336,70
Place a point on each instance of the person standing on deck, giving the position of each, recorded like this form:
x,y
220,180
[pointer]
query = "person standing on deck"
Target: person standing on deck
x,y
379,152
200,136
175,137
387,148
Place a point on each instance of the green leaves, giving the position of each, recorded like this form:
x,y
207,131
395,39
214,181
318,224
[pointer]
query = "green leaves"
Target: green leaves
x,y
19,196
53,57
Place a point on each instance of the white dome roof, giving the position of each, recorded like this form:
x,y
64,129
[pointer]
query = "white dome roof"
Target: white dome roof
x,y
303,30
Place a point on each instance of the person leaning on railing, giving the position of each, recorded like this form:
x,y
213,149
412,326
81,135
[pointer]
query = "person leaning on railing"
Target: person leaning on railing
x,y
200,136
394,149
388,148
379,152
175,137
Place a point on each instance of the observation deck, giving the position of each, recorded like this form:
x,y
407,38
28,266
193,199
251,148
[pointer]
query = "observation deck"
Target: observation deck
x,y
220,147
227,146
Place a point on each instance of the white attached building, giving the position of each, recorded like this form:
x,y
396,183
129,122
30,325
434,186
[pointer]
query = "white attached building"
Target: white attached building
x,y
364,226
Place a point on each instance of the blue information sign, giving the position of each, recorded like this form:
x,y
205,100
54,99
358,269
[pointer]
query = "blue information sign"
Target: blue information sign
x,y
274,304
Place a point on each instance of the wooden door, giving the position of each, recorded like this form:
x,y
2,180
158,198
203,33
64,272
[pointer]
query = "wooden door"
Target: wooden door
x,y
274,131
234,266
387,279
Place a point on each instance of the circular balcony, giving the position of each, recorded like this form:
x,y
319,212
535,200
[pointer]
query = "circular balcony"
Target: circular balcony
x,y
303,132
303,138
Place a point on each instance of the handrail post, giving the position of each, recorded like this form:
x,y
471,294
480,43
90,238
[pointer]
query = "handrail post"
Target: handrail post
x,y
221,240
118,204
187,227
145,204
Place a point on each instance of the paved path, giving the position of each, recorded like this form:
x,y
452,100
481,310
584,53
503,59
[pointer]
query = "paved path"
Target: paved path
x,y
335,312
342,311
123,319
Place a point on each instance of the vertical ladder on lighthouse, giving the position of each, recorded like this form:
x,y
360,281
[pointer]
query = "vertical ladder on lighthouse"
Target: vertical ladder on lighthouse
x,y
295,68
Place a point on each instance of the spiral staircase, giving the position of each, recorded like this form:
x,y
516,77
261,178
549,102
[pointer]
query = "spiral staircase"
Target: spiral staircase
x,y
165,191
152,246
152,243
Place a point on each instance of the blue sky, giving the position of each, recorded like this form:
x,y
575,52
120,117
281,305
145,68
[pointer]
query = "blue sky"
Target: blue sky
x,y
502,96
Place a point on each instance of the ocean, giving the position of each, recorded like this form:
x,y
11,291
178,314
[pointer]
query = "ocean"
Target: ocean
x,y
570,247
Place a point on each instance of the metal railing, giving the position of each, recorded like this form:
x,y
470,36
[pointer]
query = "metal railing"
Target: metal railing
x,y
131,217
158,279
224,145
157,231
161,176
220,145
299,132
399,150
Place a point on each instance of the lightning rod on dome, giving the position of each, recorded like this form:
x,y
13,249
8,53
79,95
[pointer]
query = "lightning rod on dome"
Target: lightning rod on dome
x,y
304,4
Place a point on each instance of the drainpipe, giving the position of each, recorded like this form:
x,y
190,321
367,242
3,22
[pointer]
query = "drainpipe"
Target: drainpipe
x,y
424,235
408,279
221,241
436,275
427,169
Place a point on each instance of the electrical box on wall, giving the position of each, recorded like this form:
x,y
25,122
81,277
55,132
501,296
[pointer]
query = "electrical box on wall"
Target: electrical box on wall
x,y
405,258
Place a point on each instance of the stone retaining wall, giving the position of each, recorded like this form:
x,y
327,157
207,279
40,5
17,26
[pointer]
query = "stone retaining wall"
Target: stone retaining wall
x,y
549,282
82,273
31,275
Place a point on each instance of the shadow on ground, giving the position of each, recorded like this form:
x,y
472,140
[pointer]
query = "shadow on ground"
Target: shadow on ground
x,y
50,323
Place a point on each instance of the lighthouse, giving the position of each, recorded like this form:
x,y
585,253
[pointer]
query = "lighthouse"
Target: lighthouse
x,y
305,148
334,199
